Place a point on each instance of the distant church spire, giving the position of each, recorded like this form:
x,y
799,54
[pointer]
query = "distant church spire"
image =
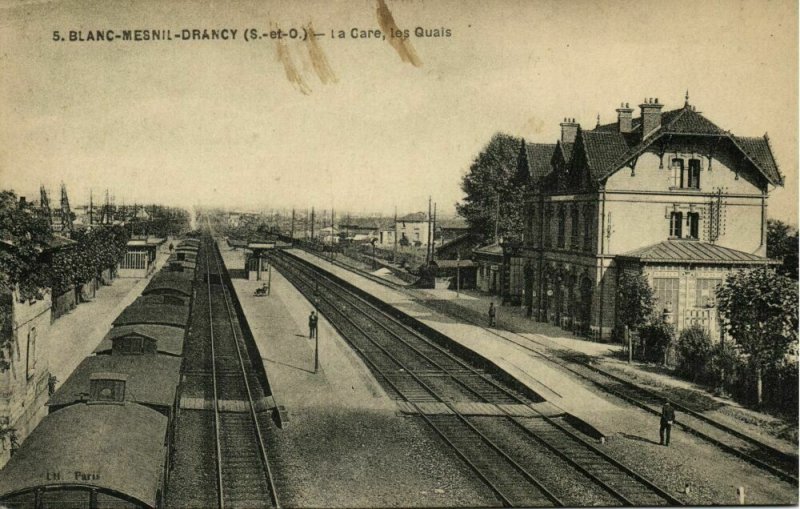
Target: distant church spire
x,y
687,98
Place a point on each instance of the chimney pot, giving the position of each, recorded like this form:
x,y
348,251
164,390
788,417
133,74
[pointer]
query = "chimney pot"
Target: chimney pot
x,y
651,116
624,118
569,130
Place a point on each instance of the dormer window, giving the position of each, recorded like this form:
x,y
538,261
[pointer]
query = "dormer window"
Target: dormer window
x,y
685,177
107,387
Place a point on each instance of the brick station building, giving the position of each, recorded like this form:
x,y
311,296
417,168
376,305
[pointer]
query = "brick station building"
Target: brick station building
x,y
668,193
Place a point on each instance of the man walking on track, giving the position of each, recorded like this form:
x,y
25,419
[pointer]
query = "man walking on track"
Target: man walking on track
x,y
667,420
312,325
492,315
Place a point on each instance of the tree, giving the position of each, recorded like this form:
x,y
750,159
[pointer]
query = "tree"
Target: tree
x,y
635,300
495,190
24,234
657,336
782,244
758,308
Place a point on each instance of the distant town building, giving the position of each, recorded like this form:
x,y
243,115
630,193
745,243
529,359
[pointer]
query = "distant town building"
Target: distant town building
x,y
668,193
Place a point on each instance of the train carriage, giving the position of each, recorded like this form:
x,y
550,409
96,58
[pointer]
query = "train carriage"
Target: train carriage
x,y
94,455
162,339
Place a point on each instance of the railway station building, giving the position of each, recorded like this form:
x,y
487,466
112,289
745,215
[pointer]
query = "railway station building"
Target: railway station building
x,y
667,193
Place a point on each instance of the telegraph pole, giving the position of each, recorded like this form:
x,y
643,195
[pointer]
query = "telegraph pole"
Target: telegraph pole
x,y
291,236
394,234
428,246
312,224
433,235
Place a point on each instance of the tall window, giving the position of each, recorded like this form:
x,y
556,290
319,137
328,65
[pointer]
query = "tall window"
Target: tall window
x,y
561,219
574,238
693,222
588,219
677,173
666,293
676,225
548,221
706,294
30,360
693,174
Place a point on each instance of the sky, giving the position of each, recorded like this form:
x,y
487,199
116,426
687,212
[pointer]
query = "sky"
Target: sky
x,y
365,124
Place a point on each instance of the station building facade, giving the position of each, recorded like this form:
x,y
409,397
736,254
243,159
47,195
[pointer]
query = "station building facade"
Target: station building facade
x,y
667,193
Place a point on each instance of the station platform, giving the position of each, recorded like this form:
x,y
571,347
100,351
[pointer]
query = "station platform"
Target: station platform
x,y
279,323
519,361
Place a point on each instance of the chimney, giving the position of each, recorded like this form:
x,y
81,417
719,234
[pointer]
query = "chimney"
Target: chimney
x,y
22,202
569,130
651,116
625,118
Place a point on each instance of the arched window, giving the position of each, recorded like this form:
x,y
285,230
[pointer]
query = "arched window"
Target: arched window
x,y
676,225
548,221
561,220
588,219
574,237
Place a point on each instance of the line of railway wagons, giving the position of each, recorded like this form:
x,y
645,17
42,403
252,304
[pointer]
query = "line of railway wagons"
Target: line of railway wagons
x,y
107,439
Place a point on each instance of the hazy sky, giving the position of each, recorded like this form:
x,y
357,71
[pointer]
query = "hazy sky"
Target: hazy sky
x,y
221,123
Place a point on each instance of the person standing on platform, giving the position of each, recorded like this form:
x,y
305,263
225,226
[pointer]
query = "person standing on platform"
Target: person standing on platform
x,y
312,325
667,420
492,315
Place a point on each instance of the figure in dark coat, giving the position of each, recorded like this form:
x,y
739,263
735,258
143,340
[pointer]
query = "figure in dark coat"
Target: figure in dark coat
x,y
667,420
312,325
492,315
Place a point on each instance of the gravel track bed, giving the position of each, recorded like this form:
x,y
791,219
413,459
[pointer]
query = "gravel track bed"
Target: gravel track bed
x,y
558,476
344,458
192,481
713,477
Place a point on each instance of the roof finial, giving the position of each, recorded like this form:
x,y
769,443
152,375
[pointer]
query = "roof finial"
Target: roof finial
x,y
598,120
687,98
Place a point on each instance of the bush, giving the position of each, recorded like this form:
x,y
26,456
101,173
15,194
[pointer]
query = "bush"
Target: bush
x,y
694,352
656,338
725,367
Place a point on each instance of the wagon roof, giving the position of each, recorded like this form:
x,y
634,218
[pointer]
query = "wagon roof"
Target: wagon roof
x,y
122,444
152,379
177,282
169,340
158,314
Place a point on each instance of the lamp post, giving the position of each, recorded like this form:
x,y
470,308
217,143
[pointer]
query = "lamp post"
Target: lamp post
x,y
458,275
316,332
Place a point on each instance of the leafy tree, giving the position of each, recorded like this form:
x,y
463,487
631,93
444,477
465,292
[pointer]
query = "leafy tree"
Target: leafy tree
x,y
782,244
694,351
635,300
724,365
493,177
25,235
759,310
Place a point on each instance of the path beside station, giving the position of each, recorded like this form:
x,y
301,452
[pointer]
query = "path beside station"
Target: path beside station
x,y
75,335
532,371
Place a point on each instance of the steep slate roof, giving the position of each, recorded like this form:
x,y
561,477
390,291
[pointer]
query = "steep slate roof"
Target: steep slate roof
x,y
539,156
759,151
693,251
152,378
607,149
168,339
123,444
415,217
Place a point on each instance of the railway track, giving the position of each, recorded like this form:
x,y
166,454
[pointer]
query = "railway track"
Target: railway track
x,y
730,440
243,474
422,373
726,438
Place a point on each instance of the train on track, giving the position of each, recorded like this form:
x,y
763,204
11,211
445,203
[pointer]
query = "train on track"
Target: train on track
x,y
107,439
